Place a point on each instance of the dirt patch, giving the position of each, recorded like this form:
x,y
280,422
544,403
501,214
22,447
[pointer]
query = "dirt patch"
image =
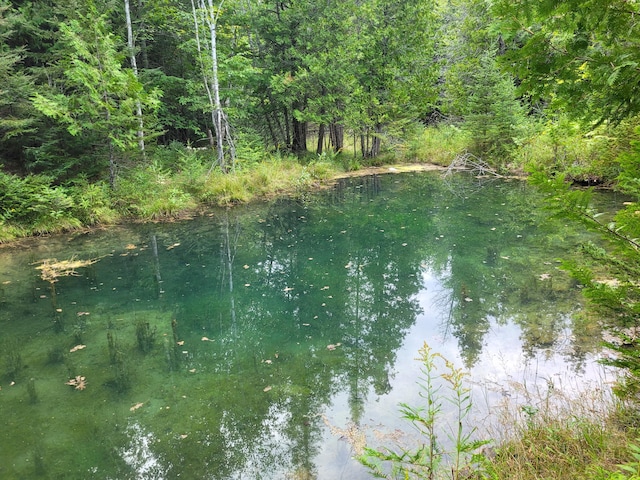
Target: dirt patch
x,y
400,168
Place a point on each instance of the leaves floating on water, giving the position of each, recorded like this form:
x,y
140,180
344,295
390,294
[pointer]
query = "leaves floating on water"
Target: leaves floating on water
x,y
51,268
79,382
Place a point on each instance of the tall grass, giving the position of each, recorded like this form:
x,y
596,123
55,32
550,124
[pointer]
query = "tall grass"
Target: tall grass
x,y
558,432
439,144
587,157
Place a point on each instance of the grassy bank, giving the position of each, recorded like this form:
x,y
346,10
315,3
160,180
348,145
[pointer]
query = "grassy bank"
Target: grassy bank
x,y
585,436
175,180
172,184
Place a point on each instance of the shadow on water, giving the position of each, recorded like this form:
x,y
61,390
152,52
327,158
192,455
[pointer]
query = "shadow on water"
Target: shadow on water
x,y
221,346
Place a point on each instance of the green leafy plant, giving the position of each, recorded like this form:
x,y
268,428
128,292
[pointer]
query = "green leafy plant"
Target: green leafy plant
x,y
448,449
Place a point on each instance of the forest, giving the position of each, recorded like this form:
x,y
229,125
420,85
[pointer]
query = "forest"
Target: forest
x,y
148,109
200,102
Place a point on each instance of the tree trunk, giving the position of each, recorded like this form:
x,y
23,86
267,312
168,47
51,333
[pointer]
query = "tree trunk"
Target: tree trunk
x,y
215,87
143,40
212,86
376,142
336,135
320,139
112,166
299,136
134,67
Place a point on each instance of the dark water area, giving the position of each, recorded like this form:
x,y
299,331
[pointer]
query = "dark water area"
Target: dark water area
x,y
241,343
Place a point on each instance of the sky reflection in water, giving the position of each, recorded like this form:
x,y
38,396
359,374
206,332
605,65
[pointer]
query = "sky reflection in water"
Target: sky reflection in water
x,y
272,323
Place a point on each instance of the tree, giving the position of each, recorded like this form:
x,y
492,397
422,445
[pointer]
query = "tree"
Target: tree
x,y
396,70
208,16
475,88
95,95
134,67
16,114
579,56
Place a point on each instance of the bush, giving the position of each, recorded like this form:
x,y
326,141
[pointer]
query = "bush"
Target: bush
x,y
33,204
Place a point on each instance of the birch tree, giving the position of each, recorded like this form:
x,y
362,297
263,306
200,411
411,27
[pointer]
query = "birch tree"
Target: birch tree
x,y
206,15
134,67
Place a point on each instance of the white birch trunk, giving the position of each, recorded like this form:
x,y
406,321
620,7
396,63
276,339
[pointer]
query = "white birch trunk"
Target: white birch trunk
x,y
212,85
134,67
212,19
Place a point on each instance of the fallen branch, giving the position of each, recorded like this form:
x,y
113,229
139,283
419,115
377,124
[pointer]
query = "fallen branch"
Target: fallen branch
x,y
469,162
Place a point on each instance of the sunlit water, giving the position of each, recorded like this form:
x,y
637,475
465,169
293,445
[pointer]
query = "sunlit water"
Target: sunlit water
x,y
245,343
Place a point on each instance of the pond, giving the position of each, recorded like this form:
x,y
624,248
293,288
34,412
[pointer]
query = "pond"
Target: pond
x,y
244,343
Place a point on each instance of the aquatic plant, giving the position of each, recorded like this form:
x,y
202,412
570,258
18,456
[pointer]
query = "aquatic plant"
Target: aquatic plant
x,y
145,336
13,359
55,355
79,329
121,375
113,348
58,322
31,391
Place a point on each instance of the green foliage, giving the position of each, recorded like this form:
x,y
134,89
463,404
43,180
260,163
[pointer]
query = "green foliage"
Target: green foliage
x,y
17,86
609,276
434,459
562,146
32,204
95,95
494,116
152,191
439,144
571,53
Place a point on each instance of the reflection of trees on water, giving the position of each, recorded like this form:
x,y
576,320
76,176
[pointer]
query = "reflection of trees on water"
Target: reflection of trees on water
x,y
306,286
273,287
492,275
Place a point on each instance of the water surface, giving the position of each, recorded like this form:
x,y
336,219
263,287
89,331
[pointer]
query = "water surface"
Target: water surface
x,y
244,343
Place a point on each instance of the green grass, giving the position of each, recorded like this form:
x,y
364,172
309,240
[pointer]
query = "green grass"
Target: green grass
x,y
439,144
564,438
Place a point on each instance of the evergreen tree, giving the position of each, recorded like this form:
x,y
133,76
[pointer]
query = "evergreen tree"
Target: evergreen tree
x,y
96,95
475,87
16,113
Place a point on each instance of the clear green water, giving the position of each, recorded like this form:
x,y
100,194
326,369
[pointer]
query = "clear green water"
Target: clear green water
x,y
269,322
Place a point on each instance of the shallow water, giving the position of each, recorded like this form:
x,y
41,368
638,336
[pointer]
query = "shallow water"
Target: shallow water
x,y
245,342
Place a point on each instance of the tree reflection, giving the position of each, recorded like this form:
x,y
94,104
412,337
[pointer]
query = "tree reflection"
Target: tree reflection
x,y
274,311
